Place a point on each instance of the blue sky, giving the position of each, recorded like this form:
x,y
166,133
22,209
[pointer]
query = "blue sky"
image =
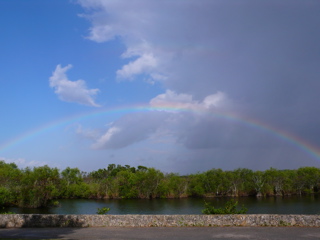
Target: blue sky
x,y
223,84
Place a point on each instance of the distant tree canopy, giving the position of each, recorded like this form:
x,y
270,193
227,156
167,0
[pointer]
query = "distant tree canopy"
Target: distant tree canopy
x,y
40,186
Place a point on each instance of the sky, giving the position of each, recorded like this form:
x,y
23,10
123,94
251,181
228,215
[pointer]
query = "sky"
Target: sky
x,y
179,85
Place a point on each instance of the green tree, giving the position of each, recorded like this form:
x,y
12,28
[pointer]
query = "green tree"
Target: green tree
x,y
196,186
149,181
275,180
177,185
99,175
213,182
10,177
6,196
38,187
71,176
259,183
310,177
73,185
240,181
127,181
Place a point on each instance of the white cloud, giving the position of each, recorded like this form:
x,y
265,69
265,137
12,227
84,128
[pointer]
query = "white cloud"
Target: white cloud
x,y
214,100
169,122
104,140
23,163
71,91
143,64
186,101
130,129
131,25
172,99
101,33
87,133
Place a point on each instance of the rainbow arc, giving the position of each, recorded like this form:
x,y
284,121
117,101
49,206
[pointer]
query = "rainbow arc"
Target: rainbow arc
x,y
285,136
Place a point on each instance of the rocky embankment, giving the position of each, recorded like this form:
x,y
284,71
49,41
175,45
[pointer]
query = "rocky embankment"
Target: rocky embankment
x,y
53,220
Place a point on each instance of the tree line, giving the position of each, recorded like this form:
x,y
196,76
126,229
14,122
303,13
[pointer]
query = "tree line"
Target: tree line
x,y
42,186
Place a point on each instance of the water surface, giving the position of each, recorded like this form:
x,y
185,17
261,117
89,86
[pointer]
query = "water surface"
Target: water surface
x,y
270,205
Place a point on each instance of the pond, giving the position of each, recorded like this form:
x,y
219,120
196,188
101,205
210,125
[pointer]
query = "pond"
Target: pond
x,y
270,205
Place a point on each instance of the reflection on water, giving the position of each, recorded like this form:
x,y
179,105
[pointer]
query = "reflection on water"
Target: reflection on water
x,y
270,205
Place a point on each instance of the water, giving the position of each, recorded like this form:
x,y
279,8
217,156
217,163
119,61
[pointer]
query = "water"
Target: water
x,y
270,205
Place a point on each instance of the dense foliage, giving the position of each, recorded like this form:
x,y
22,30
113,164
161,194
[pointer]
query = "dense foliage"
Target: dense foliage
x,y
41,186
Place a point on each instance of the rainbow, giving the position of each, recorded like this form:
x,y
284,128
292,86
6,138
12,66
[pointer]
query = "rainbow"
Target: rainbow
x,y
299,143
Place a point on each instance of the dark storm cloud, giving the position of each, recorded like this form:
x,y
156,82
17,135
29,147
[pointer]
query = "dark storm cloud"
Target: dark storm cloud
x,y
263,55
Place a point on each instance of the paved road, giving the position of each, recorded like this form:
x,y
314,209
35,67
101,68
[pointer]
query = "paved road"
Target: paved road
x,y
169,233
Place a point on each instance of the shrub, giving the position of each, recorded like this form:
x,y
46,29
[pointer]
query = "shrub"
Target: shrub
x,y
6,212
229,208
103,210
